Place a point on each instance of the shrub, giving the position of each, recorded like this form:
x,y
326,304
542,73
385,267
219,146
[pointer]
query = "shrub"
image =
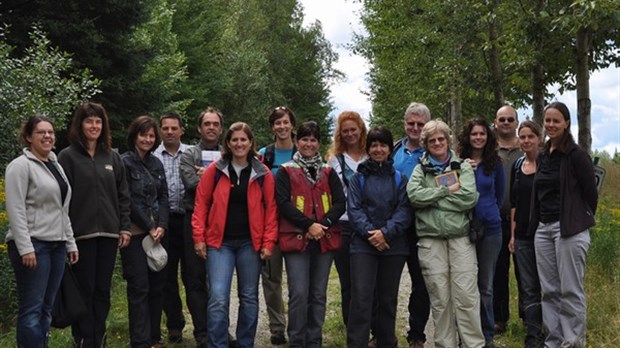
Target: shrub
x,y
8,300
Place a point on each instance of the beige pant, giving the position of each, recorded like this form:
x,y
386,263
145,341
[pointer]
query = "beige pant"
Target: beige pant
x,y
450,270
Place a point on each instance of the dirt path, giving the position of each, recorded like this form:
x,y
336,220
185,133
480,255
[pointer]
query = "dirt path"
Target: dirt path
x,y
262,332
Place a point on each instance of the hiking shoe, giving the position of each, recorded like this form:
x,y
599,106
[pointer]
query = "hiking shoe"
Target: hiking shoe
x,y
278,338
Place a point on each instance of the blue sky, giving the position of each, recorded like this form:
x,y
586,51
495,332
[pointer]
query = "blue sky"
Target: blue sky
x,y
339,19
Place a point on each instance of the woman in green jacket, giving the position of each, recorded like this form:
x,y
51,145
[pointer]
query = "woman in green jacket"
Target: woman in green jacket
x,y
443,191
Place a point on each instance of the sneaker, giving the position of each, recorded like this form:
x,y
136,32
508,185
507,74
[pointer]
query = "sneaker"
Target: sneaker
x,y
158,345
278,338
372,343
416,344
175,336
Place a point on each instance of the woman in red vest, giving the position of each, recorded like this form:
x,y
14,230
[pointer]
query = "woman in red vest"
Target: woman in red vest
x,y
310,200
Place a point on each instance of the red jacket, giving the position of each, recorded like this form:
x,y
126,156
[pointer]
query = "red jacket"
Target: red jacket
x,y
211,206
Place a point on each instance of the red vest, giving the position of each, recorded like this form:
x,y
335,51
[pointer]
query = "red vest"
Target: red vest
x,y
314,200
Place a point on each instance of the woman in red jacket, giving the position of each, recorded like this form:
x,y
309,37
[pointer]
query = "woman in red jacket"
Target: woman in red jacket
x,y
235,227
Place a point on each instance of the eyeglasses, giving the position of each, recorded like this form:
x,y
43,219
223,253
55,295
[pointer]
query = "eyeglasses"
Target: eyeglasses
x,y
281,108
506,119
42,133
436,140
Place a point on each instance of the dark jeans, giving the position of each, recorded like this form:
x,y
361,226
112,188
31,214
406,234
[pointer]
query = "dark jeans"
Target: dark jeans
x,y
374,277
308,275
501,290
487,250
36,289
94,273
529,290
343,266
419,303
173,242
196,291
144,295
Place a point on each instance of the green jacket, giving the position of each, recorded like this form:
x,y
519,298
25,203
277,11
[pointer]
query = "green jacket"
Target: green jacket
x,y
438,213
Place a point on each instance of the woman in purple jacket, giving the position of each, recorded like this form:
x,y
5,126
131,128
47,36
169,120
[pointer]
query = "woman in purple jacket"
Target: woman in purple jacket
x,y
477,146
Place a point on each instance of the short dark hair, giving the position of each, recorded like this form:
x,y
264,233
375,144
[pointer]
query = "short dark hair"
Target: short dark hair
x,y
211,110
309,128
171,116
141,125
280,112
238,126
29,125
84,111
380,134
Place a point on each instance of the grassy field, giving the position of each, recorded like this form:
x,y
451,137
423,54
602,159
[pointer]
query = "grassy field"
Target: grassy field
x,y
602,287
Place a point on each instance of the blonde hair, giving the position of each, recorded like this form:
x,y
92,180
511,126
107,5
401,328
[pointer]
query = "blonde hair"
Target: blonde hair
x,y
432,127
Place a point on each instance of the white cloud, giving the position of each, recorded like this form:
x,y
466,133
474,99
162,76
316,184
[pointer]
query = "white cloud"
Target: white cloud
x,y
340,19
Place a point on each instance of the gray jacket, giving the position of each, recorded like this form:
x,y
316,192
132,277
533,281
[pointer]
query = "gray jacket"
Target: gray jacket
x,y
34,205
190,159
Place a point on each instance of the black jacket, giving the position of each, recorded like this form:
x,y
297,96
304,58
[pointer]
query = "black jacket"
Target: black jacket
x,y
578,194
100,200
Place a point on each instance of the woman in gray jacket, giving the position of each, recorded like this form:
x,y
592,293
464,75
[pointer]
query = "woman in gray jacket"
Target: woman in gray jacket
x,y
40,234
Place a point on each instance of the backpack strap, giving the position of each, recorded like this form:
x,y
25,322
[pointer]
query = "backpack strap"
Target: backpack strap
x,y
270,155
343,165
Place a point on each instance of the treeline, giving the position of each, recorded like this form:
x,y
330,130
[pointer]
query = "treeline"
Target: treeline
x,y
244,57
466,58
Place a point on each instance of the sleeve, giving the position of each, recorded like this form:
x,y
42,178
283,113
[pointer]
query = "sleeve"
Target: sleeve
x,y
162,195
585,177
122,189
419,194
500,183
283,200
339,201
357,215
188,171
400,221
467,196
513,194
270,233
16,189
202,204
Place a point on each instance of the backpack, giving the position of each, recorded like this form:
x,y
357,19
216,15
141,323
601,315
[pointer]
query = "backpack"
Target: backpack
x,y
270,154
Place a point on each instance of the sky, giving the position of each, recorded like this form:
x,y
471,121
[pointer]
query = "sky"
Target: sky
x,y
340,20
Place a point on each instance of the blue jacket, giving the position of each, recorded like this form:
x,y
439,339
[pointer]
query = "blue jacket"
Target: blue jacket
x,y
491,189
148,189
379,205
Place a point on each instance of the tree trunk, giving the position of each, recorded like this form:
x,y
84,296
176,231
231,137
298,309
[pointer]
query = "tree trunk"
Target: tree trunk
x,y
538,92
582,76
456,110
495,66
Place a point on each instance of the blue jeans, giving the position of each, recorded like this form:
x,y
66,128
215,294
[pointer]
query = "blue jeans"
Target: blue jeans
x,y
233,255
308,274
487,250
37,290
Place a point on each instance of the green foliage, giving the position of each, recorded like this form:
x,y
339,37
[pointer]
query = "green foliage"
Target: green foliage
x,y
8,300
43,80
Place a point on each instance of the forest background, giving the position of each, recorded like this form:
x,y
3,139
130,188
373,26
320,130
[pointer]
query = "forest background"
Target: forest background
x,y
462,58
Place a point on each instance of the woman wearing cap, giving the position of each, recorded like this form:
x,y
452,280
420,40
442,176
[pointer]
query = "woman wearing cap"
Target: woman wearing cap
x,y
310,202
347,151
149,220
36,186
234,228
99,213
380,215
442,191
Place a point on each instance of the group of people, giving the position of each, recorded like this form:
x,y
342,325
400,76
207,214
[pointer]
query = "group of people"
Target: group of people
x,y
372,206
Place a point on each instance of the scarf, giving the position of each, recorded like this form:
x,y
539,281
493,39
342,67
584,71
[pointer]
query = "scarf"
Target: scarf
x,y
310,165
